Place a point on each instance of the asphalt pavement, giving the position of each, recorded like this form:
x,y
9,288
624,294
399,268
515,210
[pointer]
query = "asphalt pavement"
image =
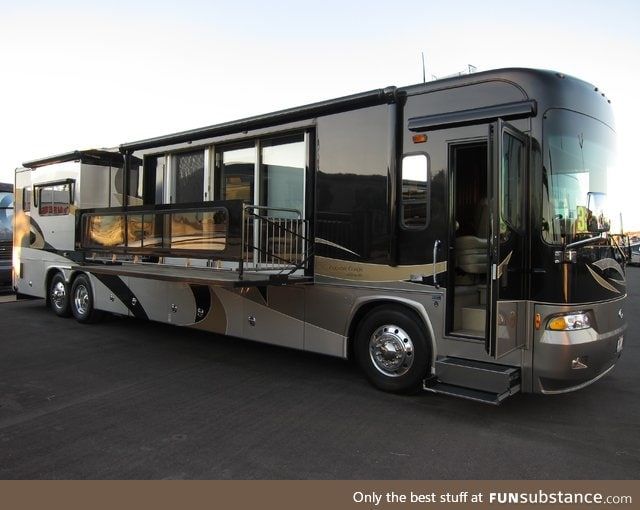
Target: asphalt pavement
x,y
129,399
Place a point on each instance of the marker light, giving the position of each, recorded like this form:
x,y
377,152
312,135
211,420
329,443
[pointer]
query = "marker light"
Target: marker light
x,y
419,138
569,322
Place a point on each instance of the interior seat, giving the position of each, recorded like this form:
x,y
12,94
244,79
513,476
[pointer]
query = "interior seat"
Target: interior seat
x,y
471,251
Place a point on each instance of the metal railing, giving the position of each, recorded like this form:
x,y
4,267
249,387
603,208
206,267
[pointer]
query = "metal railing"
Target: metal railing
x,y
274,239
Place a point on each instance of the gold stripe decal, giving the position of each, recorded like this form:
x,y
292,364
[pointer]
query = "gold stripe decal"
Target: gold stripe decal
x,y
366,272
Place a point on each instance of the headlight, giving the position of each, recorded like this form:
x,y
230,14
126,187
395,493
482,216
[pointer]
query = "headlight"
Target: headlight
x,y
569,322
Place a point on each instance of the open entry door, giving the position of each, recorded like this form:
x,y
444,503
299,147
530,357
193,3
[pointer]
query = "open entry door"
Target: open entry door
x,y
506,189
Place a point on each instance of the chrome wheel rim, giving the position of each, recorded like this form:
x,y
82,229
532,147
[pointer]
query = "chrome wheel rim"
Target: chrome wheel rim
x,y
81,299
58,294
391,350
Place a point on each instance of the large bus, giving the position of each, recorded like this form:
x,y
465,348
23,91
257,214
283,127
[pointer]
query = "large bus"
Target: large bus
x,y
6,233
451,236
634,258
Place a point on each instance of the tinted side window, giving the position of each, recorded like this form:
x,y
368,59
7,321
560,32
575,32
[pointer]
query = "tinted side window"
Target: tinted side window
x,y
26,199
283,162
55,200
189,177
414,204
6,215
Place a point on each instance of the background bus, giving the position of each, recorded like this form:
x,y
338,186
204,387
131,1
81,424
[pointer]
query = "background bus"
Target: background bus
x,y
6,232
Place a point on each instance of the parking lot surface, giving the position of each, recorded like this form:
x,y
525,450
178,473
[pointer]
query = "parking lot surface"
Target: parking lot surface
x,y
131,399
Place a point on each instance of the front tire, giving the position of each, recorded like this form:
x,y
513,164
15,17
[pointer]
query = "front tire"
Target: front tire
x,y
392,349
82,305
59,295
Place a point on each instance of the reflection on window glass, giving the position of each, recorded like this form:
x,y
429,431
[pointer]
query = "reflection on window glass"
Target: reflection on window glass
x,y
512,181
152,225
189,177
282,171
6,200
6,215
579,158
134,196
153,179
236,174
104,230
135,230
116,191
199,230
26,199
55,200
414,191
190,230
144,231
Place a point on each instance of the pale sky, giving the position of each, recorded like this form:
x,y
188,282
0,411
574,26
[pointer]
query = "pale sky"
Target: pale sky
x,y
78,75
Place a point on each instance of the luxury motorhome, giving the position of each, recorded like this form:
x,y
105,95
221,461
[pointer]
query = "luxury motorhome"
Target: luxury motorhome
x,y
451,236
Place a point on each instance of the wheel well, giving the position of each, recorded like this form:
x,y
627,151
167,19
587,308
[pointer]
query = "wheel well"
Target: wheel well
x,y
369,306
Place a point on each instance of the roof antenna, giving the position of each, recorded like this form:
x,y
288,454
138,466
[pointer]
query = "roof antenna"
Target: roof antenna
x,y
424,73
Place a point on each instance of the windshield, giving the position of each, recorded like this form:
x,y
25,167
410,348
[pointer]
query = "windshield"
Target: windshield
x,y
579,156
6,215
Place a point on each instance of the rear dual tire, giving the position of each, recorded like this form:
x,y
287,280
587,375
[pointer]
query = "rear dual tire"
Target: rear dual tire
x,y
81,301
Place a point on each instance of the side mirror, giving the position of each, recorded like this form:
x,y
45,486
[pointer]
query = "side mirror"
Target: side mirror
x,y
597,222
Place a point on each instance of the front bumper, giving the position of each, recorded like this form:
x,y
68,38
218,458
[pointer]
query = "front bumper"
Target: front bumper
x,y
566,361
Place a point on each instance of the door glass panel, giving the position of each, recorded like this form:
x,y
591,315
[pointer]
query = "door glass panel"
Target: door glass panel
x,y
153,185
512,180
189,177
237,173
283,171
134,192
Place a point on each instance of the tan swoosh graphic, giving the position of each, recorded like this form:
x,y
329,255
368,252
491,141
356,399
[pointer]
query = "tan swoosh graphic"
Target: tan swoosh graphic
x,y
366,272
602,282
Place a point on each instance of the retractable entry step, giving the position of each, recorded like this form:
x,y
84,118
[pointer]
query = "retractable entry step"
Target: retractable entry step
x,y
466,393
474,380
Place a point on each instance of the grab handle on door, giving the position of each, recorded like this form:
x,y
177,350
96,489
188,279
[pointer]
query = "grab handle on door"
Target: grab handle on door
x,y
436,245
